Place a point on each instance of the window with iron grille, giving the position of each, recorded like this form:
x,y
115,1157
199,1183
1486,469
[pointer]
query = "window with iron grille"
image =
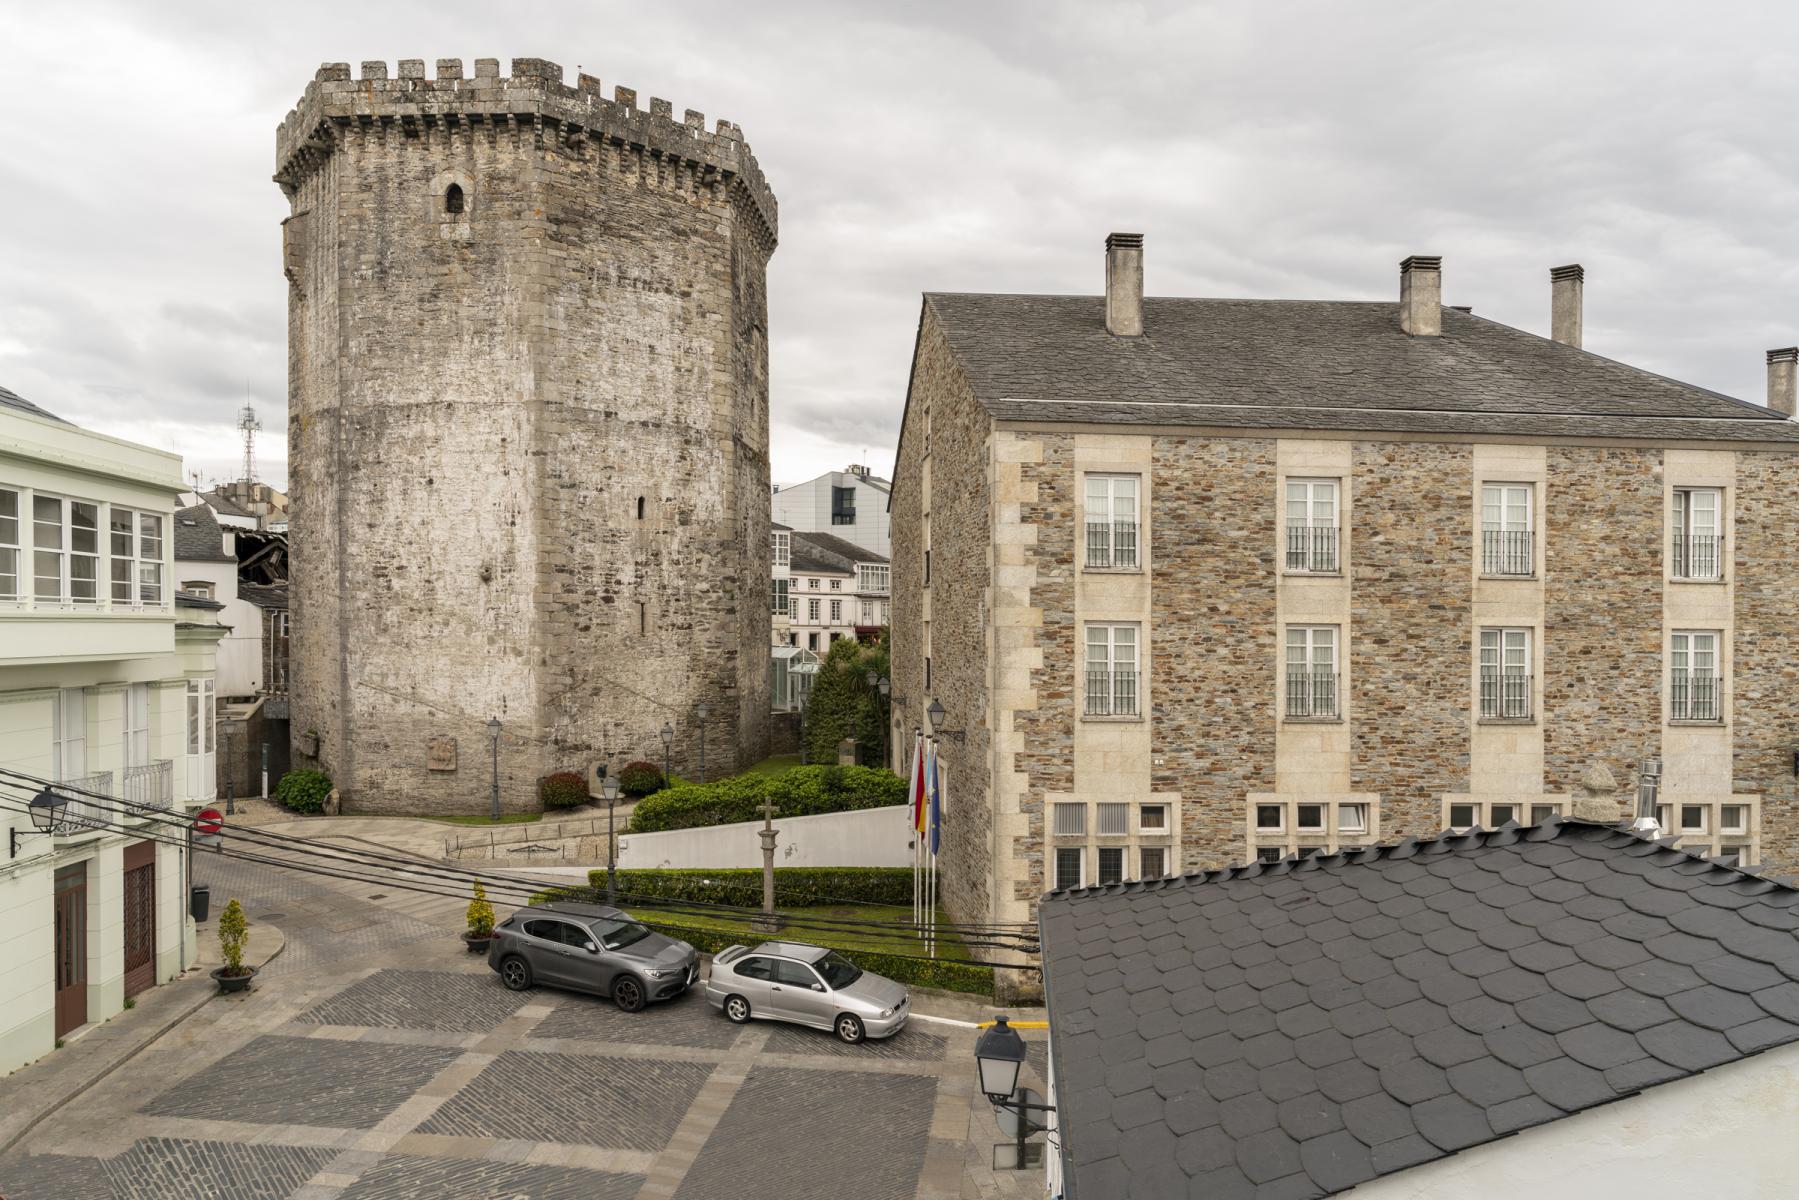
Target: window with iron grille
x,y
1112,522
1068,866
1694,683
1312,525
1505,530
843,505
1505,679
1698,533
1071,820
1111,864
1111,671
1311,670
777,597
1114,820
1152,861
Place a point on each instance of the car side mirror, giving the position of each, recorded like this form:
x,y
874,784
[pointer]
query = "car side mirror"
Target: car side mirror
x,y
592,949
818,987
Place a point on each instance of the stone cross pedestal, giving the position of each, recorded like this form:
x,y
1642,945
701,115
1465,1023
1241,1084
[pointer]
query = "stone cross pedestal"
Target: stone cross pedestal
x,y
769,921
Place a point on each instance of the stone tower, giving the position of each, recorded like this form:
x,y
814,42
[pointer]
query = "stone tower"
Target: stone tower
x,y
528,432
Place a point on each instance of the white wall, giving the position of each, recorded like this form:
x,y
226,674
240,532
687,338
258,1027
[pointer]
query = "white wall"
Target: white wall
x,y
807,507
874,837
240,652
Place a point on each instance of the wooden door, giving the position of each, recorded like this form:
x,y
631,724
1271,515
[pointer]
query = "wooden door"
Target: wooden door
x,y
71,948
140,917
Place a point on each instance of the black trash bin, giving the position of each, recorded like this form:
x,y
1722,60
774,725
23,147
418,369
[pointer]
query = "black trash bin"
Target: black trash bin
x,y
199,902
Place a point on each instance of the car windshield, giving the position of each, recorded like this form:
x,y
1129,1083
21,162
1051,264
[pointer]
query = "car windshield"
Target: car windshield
x,y
616,935
837,970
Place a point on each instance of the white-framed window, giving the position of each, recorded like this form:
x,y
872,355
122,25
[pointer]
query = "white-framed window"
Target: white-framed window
x,y
1280,827
1152,818
1114,819
812,584
1308,818
1069,861
1733,818
1352,818
70,733
1271,818
1112,522
1694,685
1505,687
1270,854
783,547
1111,864
11,549
778,595
1491,814
1312,671
1505,529
1071,819
1111,671
136,543
1312,525
836,585
873,578
1694,818
136,714
813,609
203,588
202,713
65,542
868,613
1152,862
1698,533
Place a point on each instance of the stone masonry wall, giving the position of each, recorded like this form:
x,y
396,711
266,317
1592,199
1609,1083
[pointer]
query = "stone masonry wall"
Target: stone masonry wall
x,y
1765,714
1602,597
1212,642
1411,603
479,400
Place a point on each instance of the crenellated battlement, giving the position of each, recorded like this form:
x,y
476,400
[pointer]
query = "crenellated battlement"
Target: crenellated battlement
x,y
335,102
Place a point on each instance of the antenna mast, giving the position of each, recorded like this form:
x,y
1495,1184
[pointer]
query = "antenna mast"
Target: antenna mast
x,y
248,425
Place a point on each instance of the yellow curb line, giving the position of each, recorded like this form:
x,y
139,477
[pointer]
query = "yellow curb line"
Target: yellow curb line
x,y
1016,1024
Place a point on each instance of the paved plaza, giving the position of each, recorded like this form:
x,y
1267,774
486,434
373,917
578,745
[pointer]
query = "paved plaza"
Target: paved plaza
x,y
376,1060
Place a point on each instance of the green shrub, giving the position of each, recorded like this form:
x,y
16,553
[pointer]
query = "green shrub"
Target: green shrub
x,y
304,791
799,792
795,887
564,789
842,705
640,779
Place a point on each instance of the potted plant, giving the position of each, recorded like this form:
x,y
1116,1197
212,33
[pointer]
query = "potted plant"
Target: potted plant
x,y
480,922
234,935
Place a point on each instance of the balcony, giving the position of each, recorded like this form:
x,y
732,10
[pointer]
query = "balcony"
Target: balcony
x,y
1111,692
151,785
1312,695
1695,697
1506,697
1312,548
1507,552
83,815
1698,556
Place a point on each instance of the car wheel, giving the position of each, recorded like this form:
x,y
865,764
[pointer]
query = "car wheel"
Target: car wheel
x,y
849,1028
737,1009
515,973
627,993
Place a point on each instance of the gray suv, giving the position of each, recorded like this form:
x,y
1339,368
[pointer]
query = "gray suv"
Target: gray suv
x,y
591,948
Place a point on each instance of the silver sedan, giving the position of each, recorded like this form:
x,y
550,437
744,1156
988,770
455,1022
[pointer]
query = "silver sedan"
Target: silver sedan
x,y
807,985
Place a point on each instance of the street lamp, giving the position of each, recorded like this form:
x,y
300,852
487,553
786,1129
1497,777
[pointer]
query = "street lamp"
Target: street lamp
x,y
493,735
609,790
886,688
999,1053
668,739
934,711
702,712
46,808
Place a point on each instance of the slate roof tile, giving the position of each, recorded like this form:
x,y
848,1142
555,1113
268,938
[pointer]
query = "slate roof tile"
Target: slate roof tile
x,y
1397,1028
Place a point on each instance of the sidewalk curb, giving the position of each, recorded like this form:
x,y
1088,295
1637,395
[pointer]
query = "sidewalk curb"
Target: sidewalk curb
x,y
180,1014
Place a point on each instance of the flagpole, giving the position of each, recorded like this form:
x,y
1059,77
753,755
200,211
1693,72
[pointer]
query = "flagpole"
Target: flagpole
x,y
912,822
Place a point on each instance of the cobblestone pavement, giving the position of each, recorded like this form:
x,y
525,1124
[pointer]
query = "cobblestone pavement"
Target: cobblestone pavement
x,y
377,1061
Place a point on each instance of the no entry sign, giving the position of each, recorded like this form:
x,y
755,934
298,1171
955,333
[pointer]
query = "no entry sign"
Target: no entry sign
x,y
208,821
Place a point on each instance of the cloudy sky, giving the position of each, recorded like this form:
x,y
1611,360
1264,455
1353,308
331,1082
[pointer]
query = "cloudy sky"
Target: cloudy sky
x,y
1279,149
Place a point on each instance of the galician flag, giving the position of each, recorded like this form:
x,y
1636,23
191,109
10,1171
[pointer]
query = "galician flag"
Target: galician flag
x,y
917,788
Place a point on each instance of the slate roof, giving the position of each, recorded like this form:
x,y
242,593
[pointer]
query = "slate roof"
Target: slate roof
x,y
11,399
832,544
1298,1028
198,537
263,595
1308,364
225,504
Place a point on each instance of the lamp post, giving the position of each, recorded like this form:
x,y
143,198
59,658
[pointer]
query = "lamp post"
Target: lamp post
x,y
668,740
885,686
609,790
47,809
493,735
701,711
999,1053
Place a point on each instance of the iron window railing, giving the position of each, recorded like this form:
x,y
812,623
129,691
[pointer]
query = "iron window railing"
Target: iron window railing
x,y
1311,547
1114,820
1695,697
1111,692
1698,555
1505,697
1312,694
151,785
82,812
1111,544
1506,552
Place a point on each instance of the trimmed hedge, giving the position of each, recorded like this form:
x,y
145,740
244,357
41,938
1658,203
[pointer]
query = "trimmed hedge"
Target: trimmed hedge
x,y
304,791
640,779
795,887
564,789
798,792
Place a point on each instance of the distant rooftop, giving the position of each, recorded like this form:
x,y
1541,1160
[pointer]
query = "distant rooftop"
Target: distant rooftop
x,y
11,399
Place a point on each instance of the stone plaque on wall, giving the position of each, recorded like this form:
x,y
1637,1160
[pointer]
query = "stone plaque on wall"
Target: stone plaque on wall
x,y
442,756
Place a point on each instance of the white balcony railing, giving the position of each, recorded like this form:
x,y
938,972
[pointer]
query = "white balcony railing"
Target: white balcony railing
x,y
151,785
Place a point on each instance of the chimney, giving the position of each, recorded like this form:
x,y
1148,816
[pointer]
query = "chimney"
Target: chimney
x,y
1421,295
1565,285
1783,374
1124,284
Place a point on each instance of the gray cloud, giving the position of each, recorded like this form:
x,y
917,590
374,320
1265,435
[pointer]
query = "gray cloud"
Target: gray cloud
x,y
1294,149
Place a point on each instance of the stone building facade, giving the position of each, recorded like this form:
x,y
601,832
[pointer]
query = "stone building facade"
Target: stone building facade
x,y
528,430
1274,578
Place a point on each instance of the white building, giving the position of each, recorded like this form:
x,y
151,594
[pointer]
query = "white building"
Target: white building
x,y
106,684
849,504
835,589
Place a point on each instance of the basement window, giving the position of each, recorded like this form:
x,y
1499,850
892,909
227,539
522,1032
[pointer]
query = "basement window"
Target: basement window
x,y
453,201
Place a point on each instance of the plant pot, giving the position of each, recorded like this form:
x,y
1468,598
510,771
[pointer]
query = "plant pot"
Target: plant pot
x,y
233,983
477,942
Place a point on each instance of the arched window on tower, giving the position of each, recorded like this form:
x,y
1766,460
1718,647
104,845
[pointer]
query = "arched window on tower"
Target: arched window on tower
x,y
453,202
640,508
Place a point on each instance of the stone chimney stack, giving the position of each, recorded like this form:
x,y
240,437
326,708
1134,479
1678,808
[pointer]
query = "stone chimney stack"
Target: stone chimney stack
x,y
1124,284
1565,285
1783,376
1421,295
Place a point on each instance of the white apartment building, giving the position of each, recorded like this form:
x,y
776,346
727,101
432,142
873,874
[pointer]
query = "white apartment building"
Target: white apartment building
x,y
107,684
850,505
834,589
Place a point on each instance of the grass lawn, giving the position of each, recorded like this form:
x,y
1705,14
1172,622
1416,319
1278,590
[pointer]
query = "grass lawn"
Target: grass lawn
x,y
890,941
505,819
774,764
